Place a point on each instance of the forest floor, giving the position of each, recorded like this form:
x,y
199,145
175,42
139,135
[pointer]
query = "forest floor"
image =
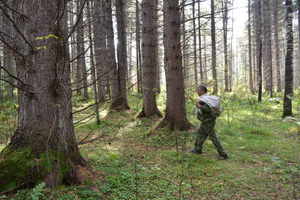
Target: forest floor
x,y
134,162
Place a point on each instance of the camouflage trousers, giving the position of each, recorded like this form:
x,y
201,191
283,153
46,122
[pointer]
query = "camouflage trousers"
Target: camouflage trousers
x,y
207,129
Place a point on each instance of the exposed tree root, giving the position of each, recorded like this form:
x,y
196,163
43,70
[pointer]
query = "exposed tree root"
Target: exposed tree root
x,y
143,114
171,125
119,105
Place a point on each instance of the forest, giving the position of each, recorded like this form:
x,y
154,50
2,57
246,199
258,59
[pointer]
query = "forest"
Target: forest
x,y
98,99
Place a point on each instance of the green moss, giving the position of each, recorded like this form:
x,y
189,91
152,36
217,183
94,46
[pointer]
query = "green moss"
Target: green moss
x,y
15,165
48,163
24,166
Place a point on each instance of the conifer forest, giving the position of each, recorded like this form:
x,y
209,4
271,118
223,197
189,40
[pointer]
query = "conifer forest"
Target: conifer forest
x,y
149,99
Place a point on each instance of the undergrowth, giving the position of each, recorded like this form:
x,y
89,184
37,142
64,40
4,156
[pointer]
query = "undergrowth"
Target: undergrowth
x,y
134,162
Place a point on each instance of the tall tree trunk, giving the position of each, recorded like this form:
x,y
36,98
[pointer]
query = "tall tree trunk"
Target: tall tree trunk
x,y
111,61
149,47
122,103
225,30
185,56
250,48
138,48
258,36
299,24
100,47
288,90
268,74
276,45
81,50
175,115
130,73
73,65
92,64
8,58
78,68
231,56
106,67
298,78
195,42
205,58
213,49
158,89
1,85
44,136
200,41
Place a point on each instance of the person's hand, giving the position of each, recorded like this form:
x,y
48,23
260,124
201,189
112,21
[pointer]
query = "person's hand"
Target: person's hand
x,y
198,105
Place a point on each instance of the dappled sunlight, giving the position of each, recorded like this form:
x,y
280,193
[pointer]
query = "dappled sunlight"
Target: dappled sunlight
x,y
103,113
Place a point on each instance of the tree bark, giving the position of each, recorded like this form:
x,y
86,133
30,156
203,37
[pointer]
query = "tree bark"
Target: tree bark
x,y
130,73
213,49
267,51
258,37
250,48
200,41
149,65
110,56
73,65
45,123
288,90
80,49
185,56
100,48
121,103
276,45
205,58
92,64
175,115
1,85
195,43
298,78
158,76
225,31
7,54
138,48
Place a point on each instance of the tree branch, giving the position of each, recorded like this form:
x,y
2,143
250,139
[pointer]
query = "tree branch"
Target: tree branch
x,y
15,11
10,75
77,21
14,50
12,21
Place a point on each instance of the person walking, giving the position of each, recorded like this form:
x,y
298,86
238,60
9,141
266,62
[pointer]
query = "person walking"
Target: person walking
x,y
208,109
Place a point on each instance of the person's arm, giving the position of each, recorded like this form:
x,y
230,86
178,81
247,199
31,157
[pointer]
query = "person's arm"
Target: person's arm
x,y
203,106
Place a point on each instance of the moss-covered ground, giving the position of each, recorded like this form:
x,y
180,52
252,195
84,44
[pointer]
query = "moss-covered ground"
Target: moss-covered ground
x,y
134,162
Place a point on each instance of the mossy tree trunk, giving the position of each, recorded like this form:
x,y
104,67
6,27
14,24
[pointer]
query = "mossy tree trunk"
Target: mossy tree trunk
x,y
45,123
175,115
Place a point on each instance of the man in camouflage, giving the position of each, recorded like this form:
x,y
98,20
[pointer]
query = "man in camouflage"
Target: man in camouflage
x,y
207,127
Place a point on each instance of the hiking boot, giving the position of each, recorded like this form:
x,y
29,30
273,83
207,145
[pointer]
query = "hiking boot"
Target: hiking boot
x,y
195,152
221,157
